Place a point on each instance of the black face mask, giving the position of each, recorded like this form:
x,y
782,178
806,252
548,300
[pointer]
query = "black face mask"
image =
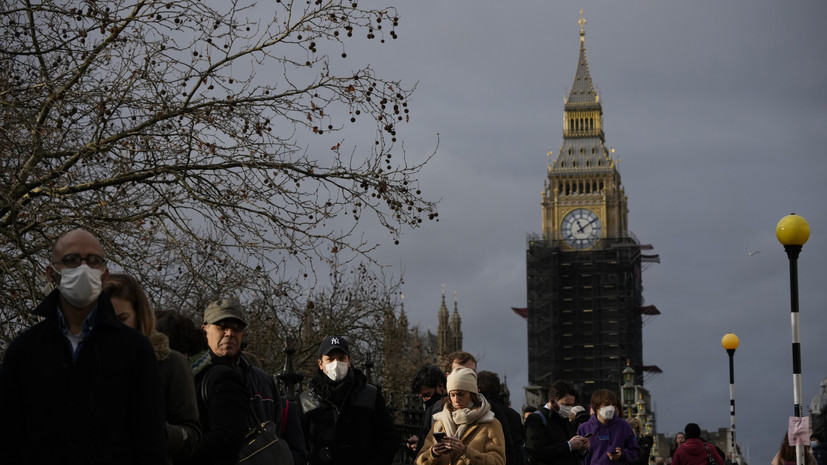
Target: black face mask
x,y
434,399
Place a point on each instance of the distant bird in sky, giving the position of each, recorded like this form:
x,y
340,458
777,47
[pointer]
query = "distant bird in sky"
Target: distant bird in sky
x,y
751,252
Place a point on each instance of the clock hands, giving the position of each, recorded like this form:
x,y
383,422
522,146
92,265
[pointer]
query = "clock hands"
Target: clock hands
x,y
580,228
587,224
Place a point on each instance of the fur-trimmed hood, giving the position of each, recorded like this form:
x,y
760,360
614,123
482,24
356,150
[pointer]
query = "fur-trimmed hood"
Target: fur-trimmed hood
x,y
160,344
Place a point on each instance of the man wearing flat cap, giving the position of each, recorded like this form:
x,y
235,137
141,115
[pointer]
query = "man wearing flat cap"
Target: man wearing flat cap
x,y
343,417
219,386
225,321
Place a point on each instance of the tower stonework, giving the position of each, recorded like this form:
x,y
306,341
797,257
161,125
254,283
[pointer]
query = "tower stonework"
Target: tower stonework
x,y
449,331
584,284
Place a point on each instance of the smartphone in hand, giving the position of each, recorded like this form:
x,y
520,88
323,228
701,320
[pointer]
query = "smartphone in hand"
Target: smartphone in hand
x,y
588,435
439,435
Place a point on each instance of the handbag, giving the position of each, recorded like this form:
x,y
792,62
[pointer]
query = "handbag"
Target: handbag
x,y
262,445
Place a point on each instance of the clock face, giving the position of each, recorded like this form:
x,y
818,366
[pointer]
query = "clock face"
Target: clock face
x,y
581,228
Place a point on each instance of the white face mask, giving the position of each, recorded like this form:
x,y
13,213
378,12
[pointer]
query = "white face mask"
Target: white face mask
x,y
564,411
336,370
80,286
607,412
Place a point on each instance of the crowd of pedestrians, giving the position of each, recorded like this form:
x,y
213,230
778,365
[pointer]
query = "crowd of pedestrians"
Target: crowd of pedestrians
x,y
102,379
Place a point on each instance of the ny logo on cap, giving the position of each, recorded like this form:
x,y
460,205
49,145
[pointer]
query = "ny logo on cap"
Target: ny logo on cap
x,y
334,340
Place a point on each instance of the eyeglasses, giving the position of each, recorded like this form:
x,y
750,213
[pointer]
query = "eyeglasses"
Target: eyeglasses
x,y
426,394
235,326
73,260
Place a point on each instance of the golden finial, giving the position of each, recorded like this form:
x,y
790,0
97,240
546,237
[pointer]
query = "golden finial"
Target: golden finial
x,y
582,23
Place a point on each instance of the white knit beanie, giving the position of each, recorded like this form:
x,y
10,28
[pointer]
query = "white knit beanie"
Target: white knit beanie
x,y
462,379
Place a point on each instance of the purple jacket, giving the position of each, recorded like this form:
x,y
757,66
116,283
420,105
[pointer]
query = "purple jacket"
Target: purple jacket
x,y
605,438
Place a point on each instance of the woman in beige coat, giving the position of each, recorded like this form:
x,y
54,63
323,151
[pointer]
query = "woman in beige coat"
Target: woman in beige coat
x,y
472,436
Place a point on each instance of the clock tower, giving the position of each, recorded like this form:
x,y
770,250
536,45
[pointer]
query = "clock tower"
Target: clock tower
x,y
584,204
585,303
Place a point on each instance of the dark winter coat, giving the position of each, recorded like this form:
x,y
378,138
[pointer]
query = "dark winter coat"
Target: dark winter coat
x,y
820,453
347,422
547,441
223,414
183,426
433,406
106,407
292,431
645,443
266,400
693,452
512,429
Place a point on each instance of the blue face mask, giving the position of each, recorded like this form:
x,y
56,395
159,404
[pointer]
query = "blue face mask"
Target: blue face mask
x,y
813,443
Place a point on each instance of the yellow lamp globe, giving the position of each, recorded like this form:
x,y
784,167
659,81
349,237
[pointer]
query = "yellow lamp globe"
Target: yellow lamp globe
x,y
792,230
730,341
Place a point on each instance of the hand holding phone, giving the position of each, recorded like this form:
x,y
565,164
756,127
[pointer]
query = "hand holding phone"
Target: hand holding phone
x,y
588,435
439,446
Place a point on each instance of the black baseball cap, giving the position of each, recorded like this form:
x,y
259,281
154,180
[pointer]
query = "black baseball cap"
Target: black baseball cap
x,y
333,342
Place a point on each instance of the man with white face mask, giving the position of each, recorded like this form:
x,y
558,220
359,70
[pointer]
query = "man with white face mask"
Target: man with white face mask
x,y
549,435
344,418
79,377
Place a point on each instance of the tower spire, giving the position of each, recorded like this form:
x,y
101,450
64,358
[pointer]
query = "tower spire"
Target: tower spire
x,y
582,90
444,337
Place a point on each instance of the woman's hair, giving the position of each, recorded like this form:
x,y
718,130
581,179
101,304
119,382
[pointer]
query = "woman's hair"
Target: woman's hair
x,y
475,398
635,424
605,396
124,286
787,452
184,335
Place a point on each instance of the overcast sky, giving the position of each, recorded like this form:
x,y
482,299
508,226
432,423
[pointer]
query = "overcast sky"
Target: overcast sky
x,y
718,113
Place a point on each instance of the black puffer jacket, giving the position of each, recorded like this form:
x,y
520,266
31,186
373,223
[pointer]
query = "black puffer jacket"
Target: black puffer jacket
x,y
347,422
106,407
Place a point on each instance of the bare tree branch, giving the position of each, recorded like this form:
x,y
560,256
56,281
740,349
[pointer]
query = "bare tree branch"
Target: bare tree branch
x,y
193,134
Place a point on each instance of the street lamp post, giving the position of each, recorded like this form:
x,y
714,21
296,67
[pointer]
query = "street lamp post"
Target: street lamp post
x,y
792,232
730,343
